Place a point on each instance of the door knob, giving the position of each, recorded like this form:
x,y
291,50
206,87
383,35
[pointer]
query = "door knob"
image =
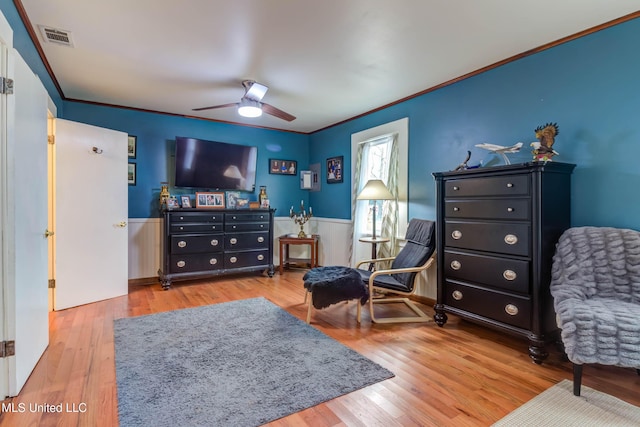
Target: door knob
x,y
122,224
48,233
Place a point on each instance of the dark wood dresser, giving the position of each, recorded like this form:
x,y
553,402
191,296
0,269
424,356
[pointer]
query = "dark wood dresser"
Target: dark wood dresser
x,y
201,243
496,233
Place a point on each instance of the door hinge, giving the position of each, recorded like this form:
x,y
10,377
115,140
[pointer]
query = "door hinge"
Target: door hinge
x,y
7,348
52,283
6,86
51,139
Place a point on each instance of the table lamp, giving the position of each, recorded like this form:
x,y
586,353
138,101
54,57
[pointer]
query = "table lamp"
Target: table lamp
x,y
375,190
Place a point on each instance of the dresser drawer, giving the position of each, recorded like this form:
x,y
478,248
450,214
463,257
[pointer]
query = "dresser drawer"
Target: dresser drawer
x,y
246,226
195,228
503,307
178,217
509,274
185,244
188,263
246,258
240,241
244,217
502,209
514,185
500,237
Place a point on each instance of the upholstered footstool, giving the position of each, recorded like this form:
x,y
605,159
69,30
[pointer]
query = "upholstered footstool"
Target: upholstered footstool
x,y
331,285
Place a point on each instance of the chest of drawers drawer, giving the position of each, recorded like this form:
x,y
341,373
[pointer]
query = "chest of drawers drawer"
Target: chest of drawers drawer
x,y
511,275
507,308
197,217
506,238
246,226
240,241
194,227
508,185
184,244
245,258
189,263
500,209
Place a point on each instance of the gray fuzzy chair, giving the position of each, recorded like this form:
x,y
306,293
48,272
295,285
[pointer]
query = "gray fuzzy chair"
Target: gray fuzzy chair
x,y
595,284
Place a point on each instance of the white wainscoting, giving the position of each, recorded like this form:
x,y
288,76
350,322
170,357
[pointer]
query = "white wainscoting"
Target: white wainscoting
x,y
145,245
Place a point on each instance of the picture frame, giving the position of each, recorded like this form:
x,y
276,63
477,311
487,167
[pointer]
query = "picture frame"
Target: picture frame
x,y
242,203
185,201
212,200
131,174
132,143
232,199
283,167
172,203
335,170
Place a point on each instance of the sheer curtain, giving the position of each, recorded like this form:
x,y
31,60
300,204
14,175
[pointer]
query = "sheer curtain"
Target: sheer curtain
x,y
376,158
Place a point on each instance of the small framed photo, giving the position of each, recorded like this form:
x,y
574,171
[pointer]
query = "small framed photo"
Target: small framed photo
x,y
210,200
172,203
131,146
242,203
131,174
232,199
185,201
265,204
283,167
335,169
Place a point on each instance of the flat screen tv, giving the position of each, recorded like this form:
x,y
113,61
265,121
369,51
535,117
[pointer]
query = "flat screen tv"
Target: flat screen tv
x,y
215,165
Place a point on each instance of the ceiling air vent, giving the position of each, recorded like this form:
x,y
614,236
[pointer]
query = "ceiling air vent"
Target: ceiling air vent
x,y
54,35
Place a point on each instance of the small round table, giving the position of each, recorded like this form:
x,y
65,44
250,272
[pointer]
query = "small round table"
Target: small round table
x,y
374,246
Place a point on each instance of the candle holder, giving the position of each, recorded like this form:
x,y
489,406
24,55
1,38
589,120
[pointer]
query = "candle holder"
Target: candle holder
x,y
301,218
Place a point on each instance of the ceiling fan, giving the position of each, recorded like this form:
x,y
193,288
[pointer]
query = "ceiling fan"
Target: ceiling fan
x,y
250,104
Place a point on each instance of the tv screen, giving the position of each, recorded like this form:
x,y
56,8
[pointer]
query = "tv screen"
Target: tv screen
x,y
215,165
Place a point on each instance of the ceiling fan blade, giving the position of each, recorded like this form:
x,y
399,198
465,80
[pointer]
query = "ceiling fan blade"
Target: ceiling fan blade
x,y
276,112
233,104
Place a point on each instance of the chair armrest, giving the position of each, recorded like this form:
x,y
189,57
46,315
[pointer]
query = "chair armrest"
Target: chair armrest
x,y
373,261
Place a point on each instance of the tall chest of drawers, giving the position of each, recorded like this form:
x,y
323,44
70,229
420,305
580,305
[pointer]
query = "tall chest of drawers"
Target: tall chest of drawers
x,y
496,233
201,243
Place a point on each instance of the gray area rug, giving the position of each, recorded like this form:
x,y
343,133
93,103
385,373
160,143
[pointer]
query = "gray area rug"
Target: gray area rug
x,y
241,363
557,406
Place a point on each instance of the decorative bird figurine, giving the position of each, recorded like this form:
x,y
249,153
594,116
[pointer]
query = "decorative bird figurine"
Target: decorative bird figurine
x,y
542,150
499,149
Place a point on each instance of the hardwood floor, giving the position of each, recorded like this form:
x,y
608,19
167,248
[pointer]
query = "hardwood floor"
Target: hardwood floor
x,y
458,375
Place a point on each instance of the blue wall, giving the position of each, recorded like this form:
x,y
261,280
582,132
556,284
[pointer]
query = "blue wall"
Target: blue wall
x,y
589,86
156,144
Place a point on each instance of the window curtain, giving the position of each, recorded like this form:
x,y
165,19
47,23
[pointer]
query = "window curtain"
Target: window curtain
x,y
354,202
390,208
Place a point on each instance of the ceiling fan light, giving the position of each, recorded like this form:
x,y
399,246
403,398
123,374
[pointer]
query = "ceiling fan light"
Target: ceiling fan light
x,y
249,108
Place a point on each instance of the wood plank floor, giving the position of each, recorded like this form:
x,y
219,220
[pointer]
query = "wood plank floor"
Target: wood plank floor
x,y
458,375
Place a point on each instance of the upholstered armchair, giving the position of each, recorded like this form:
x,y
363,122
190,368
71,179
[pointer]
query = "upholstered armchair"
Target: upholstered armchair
x,y
596,289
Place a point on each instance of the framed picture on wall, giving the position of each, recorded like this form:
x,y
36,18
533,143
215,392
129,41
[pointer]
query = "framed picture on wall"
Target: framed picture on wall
x,y
334,169
131,174
132,146
283,167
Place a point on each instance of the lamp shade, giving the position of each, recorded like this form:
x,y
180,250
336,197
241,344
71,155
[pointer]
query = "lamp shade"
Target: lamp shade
x,y
375,190
249,108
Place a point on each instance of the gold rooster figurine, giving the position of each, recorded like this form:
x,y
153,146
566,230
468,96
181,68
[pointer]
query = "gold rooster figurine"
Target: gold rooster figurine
x,y
542,150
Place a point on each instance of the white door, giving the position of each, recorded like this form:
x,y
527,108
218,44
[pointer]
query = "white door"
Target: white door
x,y
91,212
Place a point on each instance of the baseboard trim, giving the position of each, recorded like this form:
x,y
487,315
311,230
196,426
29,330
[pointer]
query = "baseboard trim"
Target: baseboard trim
x,y
144,281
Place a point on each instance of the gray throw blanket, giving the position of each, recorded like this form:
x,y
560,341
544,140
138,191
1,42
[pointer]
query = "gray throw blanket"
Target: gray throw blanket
x,y
596,289
331,285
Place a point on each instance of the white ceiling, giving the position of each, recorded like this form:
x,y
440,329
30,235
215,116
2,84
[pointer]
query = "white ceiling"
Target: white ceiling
x,y
324,61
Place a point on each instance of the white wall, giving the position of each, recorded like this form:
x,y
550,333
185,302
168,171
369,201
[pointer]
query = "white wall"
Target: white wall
x,y
145,243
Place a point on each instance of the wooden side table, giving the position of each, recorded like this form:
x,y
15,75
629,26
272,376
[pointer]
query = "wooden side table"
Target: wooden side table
x,y
287,240
374,247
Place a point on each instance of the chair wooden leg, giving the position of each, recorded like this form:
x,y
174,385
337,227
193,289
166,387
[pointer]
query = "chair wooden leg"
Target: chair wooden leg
x,y
577,379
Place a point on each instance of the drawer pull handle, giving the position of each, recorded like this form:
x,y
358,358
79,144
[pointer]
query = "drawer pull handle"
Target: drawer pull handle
x,y
233,241
511,239
260,239
455,264
457,234
511,309
260,257
182,244
234,227
233,259
214,242
213,227
509,209
181,218
213,261
456,188
234,217
509,185
456,209
261,216
181,264
261,225
457,295
181,228
509,275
